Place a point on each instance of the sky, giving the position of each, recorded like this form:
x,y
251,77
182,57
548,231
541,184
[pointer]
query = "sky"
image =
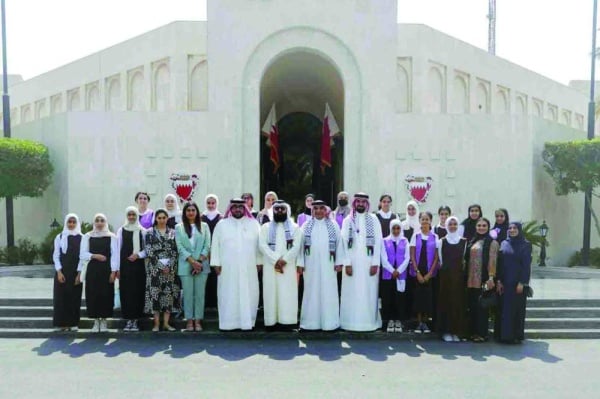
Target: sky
x,y
551,37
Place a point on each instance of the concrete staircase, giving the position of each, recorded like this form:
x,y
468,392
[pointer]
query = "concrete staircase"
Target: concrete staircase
x,y
32,318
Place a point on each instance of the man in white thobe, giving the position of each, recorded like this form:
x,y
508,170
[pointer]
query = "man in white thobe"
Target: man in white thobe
x,y
320,261
361,235
279,242
236,259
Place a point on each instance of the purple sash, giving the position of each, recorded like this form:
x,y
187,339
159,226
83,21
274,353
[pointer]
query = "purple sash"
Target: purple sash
x,y
430,252
394,256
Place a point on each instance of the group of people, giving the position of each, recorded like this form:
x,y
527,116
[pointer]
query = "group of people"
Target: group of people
x,y
344,268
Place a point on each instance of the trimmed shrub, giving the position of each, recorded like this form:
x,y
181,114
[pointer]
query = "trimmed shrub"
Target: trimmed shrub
x,y
27,250
575,259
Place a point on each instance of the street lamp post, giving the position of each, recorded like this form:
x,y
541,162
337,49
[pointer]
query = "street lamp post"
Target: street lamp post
x,y
543,232
587,206
10,224
54,224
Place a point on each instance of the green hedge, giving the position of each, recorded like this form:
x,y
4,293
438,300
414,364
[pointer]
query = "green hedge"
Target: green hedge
x,y
575,259
25,168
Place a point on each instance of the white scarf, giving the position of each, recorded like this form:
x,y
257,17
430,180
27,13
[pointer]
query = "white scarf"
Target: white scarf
x,y
412,221
397,238
105,232
211,215
176,213
453,238
134,227
385,215
64,235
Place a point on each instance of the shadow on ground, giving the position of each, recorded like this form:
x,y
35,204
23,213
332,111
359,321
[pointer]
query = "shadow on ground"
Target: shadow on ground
x,y
327,350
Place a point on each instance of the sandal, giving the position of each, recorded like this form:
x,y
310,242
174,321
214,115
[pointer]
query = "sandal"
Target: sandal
x,y
198,327
168,328
189,327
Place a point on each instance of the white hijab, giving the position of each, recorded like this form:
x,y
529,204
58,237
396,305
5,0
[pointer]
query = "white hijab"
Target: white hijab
x,y
105,232
134,227
176,213
211,215
412,221
64,235
269,211
453,238
396,222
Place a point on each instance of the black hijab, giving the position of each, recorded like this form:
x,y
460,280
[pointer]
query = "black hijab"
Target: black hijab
x,y
485,253
502,229
469,224
308,211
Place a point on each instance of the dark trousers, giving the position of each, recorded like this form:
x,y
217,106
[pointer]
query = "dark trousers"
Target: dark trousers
x,y
392,301
478,317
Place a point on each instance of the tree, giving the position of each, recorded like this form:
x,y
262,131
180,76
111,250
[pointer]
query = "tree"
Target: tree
x,y
575,167
25,168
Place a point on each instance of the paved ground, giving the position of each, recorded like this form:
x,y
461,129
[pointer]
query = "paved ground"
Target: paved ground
x,y
178,368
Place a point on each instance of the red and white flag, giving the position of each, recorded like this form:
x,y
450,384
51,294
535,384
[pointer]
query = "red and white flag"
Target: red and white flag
x,y
270,130
330,130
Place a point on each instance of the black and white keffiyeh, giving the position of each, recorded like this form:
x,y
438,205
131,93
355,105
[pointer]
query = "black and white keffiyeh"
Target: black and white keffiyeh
x,y
370,226
289,239
330,233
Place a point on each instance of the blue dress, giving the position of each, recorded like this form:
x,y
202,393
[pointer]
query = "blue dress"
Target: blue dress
x,y
514,268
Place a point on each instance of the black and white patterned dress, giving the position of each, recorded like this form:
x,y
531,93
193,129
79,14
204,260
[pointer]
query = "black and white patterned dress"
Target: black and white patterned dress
x,y
162,293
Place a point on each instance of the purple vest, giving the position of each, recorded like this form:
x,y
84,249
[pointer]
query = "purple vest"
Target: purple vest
x,y
430,252
394,256
303,218
339,219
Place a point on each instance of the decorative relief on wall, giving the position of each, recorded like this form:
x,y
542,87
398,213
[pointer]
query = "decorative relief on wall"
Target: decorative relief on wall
x,y
482,97
404,78
418,187
198,83
184,185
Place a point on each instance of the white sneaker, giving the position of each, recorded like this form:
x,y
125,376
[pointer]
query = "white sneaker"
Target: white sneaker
x,y
425,328
447,338
391,326
96,326
74,329
455,338
103,326
134,326
398,326
127,326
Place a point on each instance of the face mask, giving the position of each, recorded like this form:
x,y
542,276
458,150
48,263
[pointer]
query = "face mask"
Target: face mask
x,y
343,202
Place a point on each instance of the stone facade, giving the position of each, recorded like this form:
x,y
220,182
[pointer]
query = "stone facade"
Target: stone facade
x,y
191,97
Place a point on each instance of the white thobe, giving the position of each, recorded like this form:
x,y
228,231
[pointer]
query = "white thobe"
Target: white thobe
x,y
359,308
320,302
235,249
280,290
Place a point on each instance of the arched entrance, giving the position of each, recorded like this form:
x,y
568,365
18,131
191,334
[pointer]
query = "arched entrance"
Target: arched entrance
x,y
300,83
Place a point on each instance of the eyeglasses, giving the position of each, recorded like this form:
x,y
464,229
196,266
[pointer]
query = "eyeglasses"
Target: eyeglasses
x,y
279,209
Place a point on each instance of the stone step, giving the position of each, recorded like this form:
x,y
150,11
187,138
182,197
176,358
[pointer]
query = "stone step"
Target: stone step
x,y
86,324
531,303
563,303
554,312
47,311
563,323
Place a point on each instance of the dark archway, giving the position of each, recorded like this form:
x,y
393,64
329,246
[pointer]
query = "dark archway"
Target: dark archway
x,y
300,83
300,154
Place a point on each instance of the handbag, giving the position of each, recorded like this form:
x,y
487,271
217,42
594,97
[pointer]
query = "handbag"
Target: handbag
x,y
528,291
488,299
